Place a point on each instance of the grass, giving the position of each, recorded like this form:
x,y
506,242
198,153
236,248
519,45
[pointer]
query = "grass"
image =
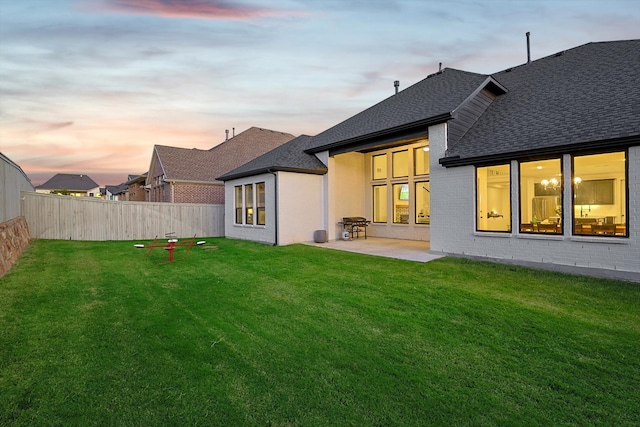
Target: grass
x,y
238,333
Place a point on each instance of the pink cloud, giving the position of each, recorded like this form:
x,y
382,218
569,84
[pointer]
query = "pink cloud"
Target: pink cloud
x,y
200,9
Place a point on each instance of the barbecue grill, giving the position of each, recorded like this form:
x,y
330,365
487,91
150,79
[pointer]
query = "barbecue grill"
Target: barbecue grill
x,y
354,225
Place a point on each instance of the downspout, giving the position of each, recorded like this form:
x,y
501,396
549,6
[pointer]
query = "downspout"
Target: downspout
x,y
275,184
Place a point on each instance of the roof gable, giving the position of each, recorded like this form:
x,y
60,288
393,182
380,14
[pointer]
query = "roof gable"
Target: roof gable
x,y
287,157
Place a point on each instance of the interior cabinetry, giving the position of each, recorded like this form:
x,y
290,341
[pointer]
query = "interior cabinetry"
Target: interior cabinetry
x,y
595,192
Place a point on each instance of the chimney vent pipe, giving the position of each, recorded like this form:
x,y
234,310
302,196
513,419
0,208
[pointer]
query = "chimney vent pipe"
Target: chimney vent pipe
x,y
396,84
226,131
528,48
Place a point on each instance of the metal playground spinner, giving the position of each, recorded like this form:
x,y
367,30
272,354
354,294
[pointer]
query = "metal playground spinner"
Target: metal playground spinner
x,y
172,243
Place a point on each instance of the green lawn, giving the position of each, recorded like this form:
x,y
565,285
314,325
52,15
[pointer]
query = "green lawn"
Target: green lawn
x,y
237,333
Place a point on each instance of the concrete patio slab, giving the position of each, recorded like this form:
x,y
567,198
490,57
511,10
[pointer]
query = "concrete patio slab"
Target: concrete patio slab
x,y
410,250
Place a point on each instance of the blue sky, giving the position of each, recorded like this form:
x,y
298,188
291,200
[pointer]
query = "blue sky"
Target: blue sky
x,y
89,86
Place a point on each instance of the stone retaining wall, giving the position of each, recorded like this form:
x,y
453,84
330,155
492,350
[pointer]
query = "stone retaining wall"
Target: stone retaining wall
x,y
14,238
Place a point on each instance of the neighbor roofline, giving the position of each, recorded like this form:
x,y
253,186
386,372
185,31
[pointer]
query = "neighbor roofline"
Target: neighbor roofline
x,y
492,159
441,118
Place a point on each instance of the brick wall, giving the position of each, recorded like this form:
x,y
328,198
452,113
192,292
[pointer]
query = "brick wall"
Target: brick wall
x,y
14,238
158,192
198,193
453,226
137,193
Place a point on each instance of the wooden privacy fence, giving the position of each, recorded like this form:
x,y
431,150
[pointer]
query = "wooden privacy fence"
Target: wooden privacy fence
x,y
84,218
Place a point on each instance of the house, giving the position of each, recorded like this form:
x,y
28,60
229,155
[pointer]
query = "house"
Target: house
x,y
70,184
180,175
114,192
538,164
136,191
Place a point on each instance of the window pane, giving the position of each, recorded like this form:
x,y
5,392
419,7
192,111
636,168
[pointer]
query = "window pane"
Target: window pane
x,y
238,203
401,203
421,160
599,194
380,166
423,202
380,203
493,205
248,200
260,202
400,163
541,196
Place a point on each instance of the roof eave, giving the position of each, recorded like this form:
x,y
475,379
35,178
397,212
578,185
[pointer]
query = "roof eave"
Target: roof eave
x,y
229,177
585,146
441,118
190,181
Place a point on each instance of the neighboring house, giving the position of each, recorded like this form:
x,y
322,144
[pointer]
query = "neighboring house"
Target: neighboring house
x,y
70,184
180,175
537,164
136,191
114,192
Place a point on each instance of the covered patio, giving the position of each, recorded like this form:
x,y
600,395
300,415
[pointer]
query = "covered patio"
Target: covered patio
x,y
410,250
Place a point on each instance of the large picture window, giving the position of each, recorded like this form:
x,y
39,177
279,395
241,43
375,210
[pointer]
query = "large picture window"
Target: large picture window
x,y
379,166
400,164
541,196
421,160
260,203
237,190
423,202
249,204
380,203
493,198
400,184
599,194
401,203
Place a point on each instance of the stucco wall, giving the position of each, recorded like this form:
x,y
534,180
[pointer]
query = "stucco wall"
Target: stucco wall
x,y
348,190
300,207
453,228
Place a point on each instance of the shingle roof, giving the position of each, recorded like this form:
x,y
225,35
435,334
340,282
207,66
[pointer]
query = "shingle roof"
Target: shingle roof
x,y
133,179
115,189
288,157
434,96
196,165
67,181
588,93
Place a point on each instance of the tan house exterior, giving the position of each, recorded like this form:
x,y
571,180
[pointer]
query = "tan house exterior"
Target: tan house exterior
x,y
180,175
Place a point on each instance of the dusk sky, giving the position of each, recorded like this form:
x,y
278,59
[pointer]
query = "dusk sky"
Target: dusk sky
x,y
89,86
